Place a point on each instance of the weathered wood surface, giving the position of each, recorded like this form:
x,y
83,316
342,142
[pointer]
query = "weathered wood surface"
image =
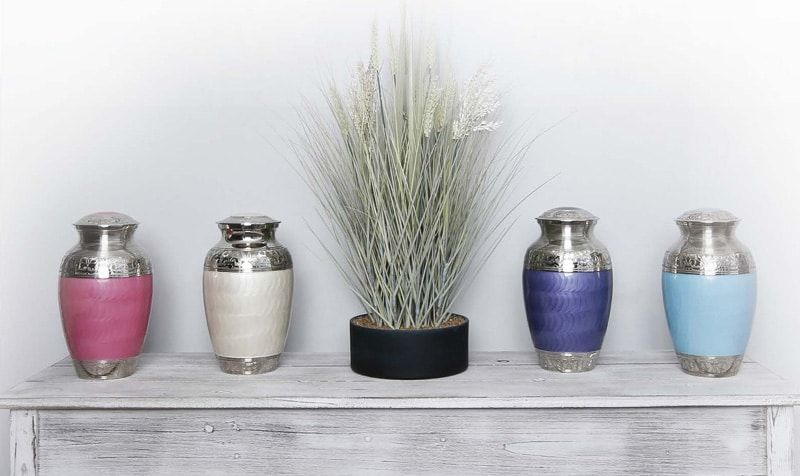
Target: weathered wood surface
x,y
494,380
722,440
24,439
780,440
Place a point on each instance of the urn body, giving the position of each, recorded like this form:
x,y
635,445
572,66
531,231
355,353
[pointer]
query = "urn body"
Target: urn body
x,y
105,292
567,284
247,291
709,288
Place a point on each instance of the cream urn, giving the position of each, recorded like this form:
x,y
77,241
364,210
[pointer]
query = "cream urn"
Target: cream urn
x,y
247,291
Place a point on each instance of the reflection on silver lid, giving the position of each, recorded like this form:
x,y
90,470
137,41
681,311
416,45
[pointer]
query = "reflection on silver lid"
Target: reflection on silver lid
x,y
707,215
106,220
567,214
248,220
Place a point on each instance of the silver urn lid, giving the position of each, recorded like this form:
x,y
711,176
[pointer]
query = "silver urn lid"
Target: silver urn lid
x,y
106,249
567,243
248,245
567,215
708,245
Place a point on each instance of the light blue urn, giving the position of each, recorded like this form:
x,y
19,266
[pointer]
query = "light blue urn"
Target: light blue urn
x,y
709,287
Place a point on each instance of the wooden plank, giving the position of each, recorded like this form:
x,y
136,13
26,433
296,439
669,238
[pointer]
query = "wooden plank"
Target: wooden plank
x,y
342,359
24,442
780,440
499,380
461,442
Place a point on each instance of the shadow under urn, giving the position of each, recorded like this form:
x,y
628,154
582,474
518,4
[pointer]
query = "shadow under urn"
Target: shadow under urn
x,y
709,287
567,285
105,292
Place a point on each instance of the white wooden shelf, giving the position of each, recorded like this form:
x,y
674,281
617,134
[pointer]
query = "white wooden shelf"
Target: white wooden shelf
x,y
634,414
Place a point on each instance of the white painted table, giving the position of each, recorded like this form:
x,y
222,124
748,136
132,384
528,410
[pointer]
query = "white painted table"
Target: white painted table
x,y
633,414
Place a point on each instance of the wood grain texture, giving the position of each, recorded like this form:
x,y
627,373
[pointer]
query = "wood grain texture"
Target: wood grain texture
x,y
780,440
24,440
494,380
498,441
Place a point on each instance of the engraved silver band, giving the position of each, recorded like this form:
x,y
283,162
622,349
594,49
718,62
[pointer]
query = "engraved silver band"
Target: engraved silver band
x,y
710,365
104,369
567,362
97,267
247,260
551,258
684,262
248,365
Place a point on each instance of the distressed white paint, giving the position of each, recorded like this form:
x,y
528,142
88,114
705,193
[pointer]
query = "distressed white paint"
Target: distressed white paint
x,y
636,412
24,439
780,441
493,380
690,440
248,313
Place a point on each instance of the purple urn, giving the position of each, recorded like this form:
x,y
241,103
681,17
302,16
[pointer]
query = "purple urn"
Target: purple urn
x,y
567,284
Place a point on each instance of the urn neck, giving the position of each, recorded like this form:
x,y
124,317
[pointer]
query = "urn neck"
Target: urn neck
x,y
105,239
567,234
711,239
248,236
708,235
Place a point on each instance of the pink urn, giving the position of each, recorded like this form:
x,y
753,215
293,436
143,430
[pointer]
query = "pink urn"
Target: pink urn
x,y
105,291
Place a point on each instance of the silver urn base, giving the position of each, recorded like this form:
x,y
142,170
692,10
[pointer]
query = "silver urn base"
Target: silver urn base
x,y
248,365
567,362
710,366
104,369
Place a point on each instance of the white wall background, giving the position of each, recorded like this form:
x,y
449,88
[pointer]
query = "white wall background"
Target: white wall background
x,y
176,112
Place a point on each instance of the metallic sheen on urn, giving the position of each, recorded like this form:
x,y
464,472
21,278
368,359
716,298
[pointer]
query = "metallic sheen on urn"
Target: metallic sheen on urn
x,y
105,294
247,291
709,287
567,284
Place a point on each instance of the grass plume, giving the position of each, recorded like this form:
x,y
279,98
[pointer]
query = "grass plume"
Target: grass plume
x,y
409,180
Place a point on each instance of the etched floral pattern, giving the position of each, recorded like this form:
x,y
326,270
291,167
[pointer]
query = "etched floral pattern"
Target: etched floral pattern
x,y
710,366
105,266
684,262
558,259
567,362
236,260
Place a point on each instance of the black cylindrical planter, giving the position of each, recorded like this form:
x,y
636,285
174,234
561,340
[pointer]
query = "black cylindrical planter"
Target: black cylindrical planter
x,y
408,354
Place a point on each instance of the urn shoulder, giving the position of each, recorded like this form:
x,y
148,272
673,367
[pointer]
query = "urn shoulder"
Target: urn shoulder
x,y
567,243
708,245
106,249
248,244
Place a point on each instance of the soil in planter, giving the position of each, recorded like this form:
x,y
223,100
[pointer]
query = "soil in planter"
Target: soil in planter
x,y
365,321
